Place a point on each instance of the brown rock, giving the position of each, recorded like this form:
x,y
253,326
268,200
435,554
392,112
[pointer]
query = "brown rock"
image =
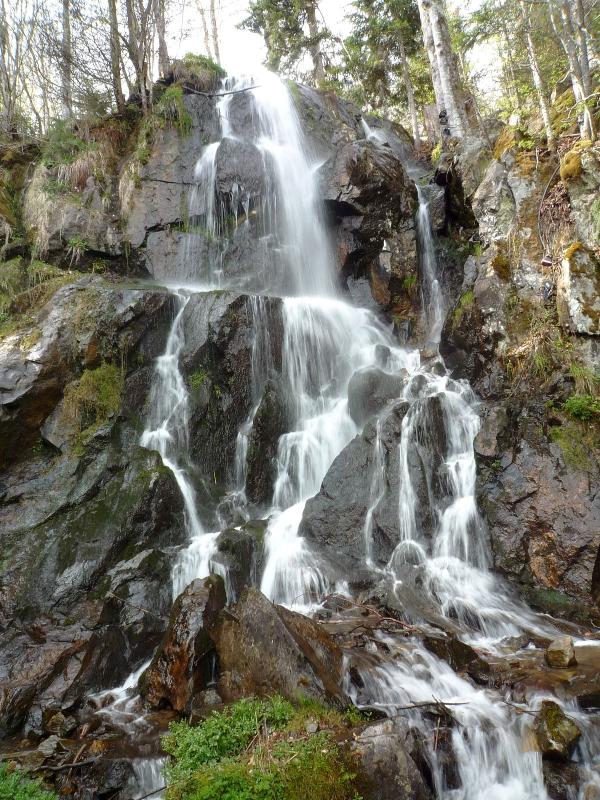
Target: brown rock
x,y
560,653
264,648
174,676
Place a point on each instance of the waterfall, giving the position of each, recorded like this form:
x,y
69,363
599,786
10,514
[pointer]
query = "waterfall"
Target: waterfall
x,y
326,341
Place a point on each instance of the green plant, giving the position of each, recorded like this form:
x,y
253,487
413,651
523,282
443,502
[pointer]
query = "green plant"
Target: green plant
x,y
223,734
582,406
76,247
436,153
259,750
587,381
62,145
409,283
172,110
197,379
15,786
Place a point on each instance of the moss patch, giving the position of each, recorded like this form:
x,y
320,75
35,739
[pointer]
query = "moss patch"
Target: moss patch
x,y
463,306
90,401
504,142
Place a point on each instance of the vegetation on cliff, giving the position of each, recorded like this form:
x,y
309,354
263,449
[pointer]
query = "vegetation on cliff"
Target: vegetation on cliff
x,y
262,750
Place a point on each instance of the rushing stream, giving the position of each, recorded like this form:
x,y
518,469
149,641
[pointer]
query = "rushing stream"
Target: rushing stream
x,y
326,340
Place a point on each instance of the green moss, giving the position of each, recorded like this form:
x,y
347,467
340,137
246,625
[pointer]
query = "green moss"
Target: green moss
x,y
464,305
501,265
579,444
504,142
570,166
93,399
259,750
15,786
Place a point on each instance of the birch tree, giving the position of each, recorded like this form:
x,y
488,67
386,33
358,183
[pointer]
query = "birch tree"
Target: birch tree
x,y
536,74
66,56
115,56
446,81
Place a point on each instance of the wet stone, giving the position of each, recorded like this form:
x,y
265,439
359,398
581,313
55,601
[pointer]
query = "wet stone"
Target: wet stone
x,y
555,732
560,653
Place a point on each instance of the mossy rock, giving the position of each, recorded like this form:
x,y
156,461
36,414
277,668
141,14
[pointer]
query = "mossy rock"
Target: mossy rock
x,y
555,732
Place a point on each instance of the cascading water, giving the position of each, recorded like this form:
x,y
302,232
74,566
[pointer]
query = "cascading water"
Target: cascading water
x,y
325,342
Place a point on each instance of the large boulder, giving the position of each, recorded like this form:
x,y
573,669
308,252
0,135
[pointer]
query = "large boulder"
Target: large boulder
x,y
387,770
334,520
175,674
370,390
265,648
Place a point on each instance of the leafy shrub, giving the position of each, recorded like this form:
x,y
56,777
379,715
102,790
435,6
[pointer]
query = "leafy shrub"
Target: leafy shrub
x,y
14,786
584,407
223,734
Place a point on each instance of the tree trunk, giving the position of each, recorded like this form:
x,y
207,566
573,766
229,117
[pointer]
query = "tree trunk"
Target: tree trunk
x,y
537,77
315,46
215,32
582,38
202,12
115,56
163,53
410,95
563,27
451,99
430,50
66,88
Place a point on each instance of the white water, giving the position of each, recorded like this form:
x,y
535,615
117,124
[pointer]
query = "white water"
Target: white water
x,y
326,340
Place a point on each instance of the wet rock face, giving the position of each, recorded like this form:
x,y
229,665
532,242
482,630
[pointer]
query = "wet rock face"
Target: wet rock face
x,y
372,203
220,339
85,523
175,674
544,519
369,391
264,648
387,770
334,520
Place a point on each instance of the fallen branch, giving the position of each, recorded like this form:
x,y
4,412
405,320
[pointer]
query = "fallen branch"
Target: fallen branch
x,y
65,766
220,94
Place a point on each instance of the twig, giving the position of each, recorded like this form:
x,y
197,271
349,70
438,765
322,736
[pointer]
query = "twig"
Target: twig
x,y
153,792
133,605
220,94
65,766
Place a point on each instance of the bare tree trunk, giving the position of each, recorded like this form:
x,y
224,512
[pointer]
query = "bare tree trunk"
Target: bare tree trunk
x,y
115,56
449,82
430,50
537,77
315,47
215,32
202,12
163,53
410,95
66,63
582,38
